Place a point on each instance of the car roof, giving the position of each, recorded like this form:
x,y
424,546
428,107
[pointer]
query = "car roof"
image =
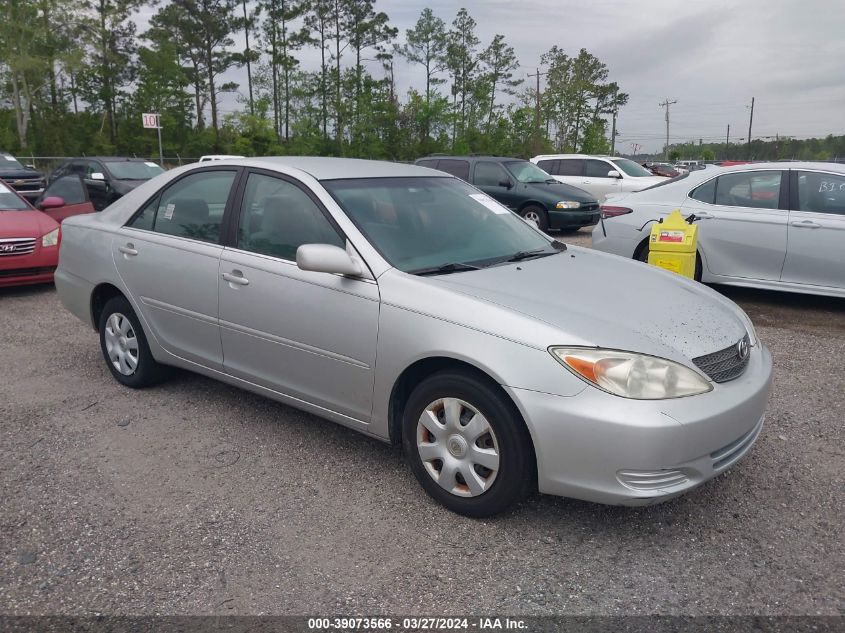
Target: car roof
x,y
485,157
546,156
331,168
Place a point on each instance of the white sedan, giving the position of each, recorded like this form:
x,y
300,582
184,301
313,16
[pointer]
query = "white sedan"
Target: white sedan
x,y
766,225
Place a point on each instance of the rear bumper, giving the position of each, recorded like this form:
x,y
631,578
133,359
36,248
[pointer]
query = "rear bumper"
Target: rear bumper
x,y
75,293
599,447
569,219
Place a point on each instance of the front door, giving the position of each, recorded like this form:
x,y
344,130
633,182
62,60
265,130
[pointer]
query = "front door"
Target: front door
x,y
815,253
311,336
168,257
72,191
596,180
497,183
742,231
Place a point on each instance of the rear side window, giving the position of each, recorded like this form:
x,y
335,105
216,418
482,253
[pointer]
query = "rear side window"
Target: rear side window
x,y
705,193
571,167
548,166
458,168
192,207
821,193
752,189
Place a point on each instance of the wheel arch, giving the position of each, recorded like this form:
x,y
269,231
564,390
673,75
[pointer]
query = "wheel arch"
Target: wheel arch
x,y
101,294
532,203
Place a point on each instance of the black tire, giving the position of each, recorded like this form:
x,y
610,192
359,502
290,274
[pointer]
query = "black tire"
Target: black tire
x,y
642,255
534,211
516,465
147,371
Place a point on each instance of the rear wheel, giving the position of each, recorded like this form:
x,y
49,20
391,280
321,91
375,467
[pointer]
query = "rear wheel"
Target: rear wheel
x,y
537,216
467,444
125,347
642,255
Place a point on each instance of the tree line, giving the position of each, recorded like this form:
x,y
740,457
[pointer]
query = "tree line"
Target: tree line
x,y
75,77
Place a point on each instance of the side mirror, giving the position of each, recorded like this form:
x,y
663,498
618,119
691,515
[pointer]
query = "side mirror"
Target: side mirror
x,y
325,258
505,183
32,167
51,202
614,174
98,176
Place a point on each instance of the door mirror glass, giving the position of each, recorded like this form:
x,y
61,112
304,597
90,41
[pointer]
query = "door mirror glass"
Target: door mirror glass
x,y
97,176
51,202
325,258
614,174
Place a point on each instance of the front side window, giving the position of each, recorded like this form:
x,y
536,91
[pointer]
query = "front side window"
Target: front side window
x,y
489,174
69,188
277,217
571,167
821,193
524,171
753,189
597,169
192,207
631,168
428,222
458,168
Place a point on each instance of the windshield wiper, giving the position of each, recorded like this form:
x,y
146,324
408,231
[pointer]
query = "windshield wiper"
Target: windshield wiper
x,y
445,269
520,255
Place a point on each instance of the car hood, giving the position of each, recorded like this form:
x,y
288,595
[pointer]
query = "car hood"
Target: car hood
x,y
587,298
25,224
23,174
554,192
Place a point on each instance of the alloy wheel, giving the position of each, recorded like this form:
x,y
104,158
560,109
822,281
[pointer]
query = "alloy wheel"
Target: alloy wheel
x,y
458,447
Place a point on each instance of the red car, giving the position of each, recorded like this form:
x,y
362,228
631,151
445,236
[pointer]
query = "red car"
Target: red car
x,y
29,238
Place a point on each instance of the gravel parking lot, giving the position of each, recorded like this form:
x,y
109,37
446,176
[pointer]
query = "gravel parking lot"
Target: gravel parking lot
x,y
195,497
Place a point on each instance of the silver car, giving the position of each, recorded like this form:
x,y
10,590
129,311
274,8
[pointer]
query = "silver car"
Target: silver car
x,y
408,305
779,226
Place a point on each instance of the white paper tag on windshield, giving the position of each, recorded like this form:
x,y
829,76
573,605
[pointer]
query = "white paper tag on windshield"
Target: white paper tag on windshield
x,y
488,202
7,156
151,165
168,211
4,188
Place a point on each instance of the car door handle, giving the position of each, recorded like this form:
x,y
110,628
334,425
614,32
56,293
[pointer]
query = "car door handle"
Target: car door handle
x,y
806,224
128,249
235,277
704,215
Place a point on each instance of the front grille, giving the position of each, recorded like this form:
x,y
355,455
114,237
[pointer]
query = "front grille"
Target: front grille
x,y
726,364
16,246
29,184
26,272
589,207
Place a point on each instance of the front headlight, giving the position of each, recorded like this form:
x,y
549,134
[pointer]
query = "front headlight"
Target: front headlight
x,y
568,204
51,239
631,375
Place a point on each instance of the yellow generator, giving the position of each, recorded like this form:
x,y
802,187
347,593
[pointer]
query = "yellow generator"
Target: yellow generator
x,y
672,244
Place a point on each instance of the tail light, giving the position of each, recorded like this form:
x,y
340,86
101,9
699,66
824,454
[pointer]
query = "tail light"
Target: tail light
x,y
608,211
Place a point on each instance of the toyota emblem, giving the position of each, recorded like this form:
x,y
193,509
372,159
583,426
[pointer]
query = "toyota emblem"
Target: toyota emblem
x,y
742,349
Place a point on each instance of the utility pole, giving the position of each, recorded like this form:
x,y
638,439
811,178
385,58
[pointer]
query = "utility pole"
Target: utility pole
x,y
247,26
537,133
728,142
666,105
750,121
613,133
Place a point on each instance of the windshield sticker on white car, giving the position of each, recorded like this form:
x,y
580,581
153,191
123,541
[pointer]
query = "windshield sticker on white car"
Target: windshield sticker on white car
x,y
168,211
151,165
488,202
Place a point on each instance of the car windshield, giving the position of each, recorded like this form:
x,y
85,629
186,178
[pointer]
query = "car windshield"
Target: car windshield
x,y
422,224
10,201
133,170
631,168
7,161
524,171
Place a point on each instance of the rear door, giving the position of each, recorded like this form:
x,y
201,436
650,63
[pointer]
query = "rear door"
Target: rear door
x,y
569,171
743,228
72,191
458,168
815,252
168,258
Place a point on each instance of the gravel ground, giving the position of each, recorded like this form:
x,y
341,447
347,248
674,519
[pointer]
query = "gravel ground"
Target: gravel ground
x,y
195,497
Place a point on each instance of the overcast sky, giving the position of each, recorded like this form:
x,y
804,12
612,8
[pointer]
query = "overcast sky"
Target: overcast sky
x,y
712,56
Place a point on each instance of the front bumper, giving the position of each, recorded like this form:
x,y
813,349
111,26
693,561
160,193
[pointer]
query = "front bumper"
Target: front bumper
x,y
599,447
572,218
33,268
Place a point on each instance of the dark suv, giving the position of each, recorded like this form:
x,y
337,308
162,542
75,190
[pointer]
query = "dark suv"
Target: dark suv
x,y
27,182
524,188
108,178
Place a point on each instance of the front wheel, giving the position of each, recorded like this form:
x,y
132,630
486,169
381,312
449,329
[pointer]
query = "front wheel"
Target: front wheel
x,y
125,347
467,444
536,216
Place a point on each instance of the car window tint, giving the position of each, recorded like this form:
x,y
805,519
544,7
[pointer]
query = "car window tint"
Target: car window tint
x,y
570,167
144,220
92,167
597,169
489,174
428,163
705,193
193,206
458,168
548,166
821,193
68,188
277,217
753,189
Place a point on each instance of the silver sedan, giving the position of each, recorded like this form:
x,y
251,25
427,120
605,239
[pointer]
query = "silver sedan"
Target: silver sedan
x,y
407,305
779,226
